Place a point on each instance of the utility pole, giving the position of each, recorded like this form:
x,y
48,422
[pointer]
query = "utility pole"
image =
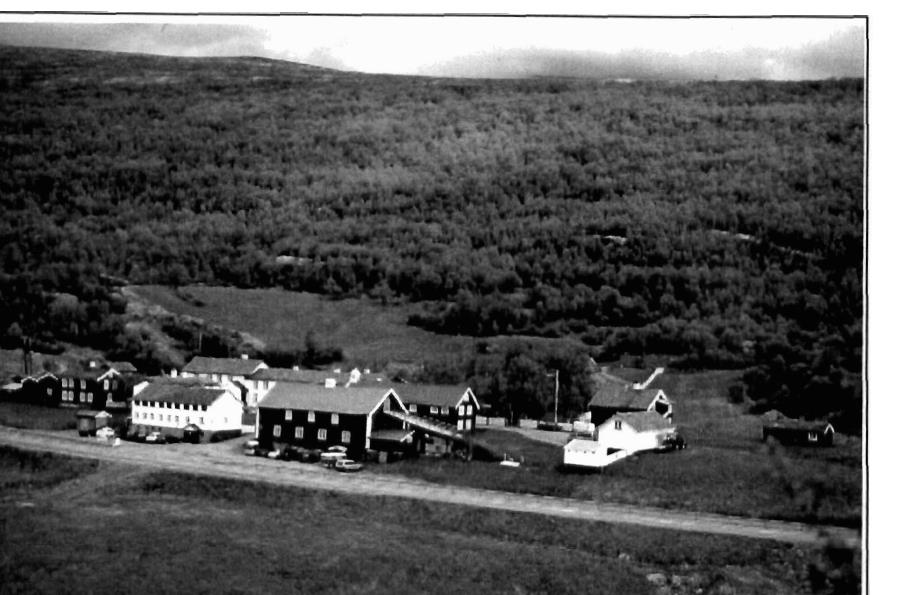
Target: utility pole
x,y
556,402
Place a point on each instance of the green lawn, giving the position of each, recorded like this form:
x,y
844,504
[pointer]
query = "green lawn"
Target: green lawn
x,y
367,332
171,532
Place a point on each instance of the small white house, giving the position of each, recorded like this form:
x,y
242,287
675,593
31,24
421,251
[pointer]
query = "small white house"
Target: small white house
x,y
176,405
620,436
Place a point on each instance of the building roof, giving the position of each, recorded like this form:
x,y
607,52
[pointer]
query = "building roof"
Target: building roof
x,y
391,435
184,391
88,372
611,393
315,397
123,367
292,375
800,425
582,444
644,421
232,366
441,395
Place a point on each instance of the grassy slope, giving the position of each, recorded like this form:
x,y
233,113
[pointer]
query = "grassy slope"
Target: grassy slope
x,y
162,530
365,331
25,415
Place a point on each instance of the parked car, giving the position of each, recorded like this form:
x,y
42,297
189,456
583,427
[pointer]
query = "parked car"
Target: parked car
x,y
155,438
329,459
256,451
337,448
673,442
301,454
347,465
105,433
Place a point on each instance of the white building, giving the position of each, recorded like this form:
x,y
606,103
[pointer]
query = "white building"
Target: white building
x,y
620,436
175,406
221,369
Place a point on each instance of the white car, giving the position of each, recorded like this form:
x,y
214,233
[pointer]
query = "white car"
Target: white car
x,y
105,433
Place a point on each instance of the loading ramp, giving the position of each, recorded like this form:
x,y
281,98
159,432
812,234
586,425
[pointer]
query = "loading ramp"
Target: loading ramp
x,y
435,427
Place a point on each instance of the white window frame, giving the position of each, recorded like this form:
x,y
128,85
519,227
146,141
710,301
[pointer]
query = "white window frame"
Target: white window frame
x,y
106,385
412,408
444,411
461,409
469,409
299,433
334,419
312,417
617,424
812,437
321,434
346,437
277,431
434,409
288,415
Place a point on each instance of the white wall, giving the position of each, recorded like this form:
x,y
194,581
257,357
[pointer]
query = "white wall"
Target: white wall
x,y
223,414
627,438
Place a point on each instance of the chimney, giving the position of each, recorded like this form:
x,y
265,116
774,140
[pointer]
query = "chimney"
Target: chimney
x,y
244,356
92,364
295,368
337,371
329,383
173,373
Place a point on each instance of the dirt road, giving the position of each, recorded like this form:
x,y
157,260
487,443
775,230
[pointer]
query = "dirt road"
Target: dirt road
x,y
224,460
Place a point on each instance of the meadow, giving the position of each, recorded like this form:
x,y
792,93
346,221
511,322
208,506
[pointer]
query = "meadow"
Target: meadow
x,y
158,530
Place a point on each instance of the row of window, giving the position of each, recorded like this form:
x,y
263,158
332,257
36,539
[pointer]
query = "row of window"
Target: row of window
x,y
334,418
165,405
321,434
173,418
70,383
68,395
434,410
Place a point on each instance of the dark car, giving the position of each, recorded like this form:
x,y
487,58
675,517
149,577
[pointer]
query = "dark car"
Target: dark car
x,y
673,442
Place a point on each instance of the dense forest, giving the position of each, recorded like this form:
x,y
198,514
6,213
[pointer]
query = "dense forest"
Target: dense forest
x,y
713,224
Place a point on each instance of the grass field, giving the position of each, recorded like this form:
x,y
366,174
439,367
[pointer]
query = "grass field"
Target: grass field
x,y
368,333
726,469
34,417
170,532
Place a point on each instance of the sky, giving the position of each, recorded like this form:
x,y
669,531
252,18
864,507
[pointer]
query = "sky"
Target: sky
x,y
474,46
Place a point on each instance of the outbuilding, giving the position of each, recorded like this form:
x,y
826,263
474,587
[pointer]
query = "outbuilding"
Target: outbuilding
x,y
89,421
799,432
612,396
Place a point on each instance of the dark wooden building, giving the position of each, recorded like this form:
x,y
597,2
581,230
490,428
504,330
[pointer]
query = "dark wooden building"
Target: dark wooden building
x,y
799,432
94,385
454,405
42,389
316,416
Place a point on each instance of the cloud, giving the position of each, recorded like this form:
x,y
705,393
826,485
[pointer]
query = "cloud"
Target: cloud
x,y
148,38
841,55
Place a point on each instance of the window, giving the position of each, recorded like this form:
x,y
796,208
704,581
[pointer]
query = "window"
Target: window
x,y
470,409
177,419
106,385
49,391
187,419
618,424
812,437
334,419
311,416
346,437
461,424
152,417
169,418
82,384
277,431
321,434
144,415
288,415
434,410
445,411
299,433
200,420
412,408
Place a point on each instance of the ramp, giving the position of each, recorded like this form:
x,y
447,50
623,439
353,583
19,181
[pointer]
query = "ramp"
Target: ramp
x,y
444,430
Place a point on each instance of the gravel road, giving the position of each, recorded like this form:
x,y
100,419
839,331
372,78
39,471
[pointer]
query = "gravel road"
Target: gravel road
x,y
225,460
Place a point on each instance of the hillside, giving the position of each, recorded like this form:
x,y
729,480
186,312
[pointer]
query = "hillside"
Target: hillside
x,y
719,224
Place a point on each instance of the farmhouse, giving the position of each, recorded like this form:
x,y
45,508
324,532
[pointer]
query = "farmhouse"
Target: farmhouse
x,y
618,437
187,407
235,369
799,432
317,416
454,405
95,385
613,395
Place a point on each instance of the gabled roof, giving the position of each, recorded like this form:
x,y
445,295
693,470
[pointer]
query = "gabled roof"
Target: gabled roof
x,y
441,395
800,425
184,391
87,372
315,397
612,393
123,367
643,421
291,375
233,366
